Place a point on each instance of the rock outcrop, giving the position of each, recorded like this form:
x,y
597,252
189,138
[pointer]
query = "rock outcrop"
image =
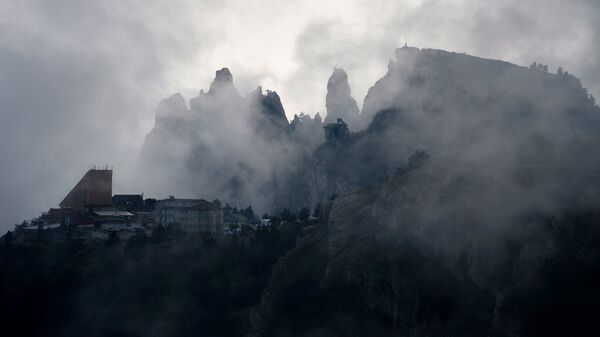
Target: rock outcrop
x,y
453,106
223,83
239,149
339,101
439,250
463,108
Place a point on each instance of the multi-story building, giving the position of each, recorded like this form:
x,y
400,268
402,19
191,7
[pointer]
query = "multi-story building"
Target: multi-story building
x,y
193,215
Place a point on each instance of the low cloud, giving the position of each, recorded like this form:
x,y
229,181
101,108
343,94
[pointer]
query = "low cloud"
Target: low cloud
x,y
79,82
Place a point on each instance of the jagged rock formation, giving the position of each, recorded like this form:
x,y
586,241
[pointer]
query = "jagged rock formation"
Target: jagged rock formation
x,y
269,112
490,228
473,180
223,84
339,101
464,108
240,149
453,106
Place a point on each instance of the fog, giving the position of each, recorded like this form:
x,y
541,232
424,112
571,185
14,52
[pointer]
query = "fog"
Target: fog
x,y
80,82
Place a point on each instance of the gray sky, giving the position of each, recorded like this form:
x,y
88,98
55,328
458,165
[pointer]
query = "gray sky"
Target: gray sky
x,y
79,81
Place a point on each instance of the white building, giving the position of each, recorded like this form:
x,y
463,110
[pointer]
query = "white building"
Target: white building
x,y
194,215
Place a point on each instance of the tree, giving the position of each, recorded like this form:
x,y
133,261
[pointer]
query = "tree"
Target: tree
x,y
337,131
175,230
288,216
317,210
533,66
318,118
138,240
41,235
159,234
539,67
208,241
8,238
303,214
234,228
112,240
227,210
275,221
149,204
248,213
418,159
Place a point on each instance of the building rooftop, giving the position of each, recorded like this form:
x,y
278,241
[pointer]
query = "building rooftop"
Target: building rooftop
x,y
112,213
204,205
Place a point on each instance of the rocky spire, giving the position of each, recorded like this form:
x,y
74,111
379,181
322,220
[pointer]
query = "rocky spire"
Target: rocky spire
x,y
339,101
268,112
222,83
318,118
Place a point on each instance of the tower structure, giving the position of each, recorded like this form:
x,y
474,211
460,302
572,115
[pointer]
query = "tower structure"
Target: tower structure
x,y
94,189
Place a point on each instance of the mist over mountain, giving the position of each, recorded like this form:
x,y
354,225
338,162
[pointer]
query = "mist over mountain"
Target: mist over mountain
x,y
467,207
281,169
438,250
238,149
460,201
458,108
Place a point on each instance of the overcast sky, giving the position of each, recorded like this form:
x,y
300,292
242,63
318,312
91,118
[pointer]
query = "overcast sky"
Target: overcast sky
x,y
79,80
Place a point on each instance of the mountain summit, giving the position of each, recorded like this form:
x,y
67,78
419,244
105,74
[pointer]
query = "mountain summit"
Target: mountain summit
x,y
227,146
454,107
339,101
223,82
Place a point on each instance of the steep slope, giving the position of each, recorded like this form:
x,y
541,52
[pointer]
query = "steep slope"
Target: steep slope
x,y
496,235
442,250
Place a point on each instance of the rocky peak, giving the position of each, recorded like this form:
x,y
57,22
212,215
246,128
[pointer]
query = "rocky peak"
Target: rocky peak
x,y
339,101
223,82
173,106
338,82
318,118
269,105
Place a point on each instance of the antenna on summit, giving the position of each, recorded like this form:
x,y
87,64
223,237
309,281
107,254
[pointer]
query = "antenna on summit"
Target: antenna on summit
x,y
405,40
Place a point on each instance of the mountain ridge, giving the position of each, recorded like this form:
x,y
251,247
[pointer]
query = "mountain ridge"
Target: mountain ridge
x,y
448,104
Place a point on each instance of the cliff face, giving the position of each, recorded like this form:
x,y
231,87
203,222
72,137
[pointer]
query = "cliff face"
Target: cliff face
x,y
462,108
441,250
466,207
453,106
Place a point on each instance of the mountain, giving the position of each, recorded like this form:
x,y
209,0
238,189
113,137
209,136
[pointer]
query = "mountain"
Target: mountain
x,y
463,109
461,201
440,250
466,207
239,149
339,102
455,107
